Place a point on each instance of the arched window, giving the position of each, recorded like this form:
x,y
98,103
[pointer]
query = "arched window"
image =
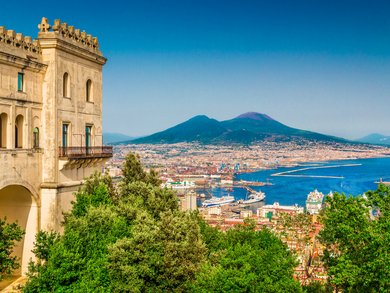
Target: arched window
x,y
36,137
88,91
66,85
19,131
3,130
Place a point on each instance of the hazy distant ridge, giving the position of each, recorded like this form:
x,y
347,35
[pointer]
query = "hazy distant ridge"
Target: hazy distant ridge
x,y
245,129
375,138
109,137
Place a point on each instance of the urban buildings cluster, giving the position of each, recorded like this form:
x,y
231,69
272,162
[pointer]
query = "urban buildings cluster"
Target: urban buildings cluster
x,y
171,160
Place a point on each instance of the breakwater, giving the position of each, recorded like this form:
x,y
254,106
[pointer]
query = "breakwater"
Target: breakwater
x,y
290,172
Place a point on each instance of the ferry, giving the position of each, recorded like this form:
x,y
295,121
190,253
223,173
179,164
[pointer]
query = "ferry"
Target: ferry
x,y
218,201
254,197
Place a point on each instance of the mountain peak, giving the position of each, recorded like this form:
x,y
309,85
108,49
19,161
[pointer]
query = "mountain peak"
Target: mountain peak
x,y
247,128
255,116
199,118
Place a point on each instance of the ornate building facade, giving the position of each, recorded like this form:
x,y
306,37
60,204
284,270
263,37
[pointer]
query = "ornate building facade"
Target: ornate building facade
x,y
50,125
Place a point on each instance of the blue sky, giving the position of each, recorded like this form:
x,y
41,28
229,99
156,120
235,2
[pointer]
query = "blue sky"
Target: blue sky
x,y
317,65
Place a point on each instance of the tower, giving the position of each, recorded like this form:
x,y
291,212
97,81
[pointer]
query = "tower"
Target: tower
x,y
50,124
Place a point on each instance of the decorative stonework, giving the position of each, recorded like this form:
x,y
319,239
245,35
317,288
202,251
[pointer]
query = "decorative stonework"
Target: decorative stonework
x,y
19,41
69,32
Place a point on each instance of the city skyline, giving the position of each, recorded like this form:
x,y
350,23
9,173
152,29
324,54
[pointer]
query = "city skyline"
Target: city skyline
x,y
322,66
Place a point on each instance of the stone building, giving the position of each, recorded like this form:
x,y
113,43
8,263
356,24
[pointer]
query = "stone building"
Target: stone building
x,y
50,124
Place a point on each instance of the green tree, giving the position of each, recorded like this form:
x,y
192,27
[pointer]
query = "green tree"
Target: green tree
x,y
317,287
135,239
356,236
96,179
105,230
134,172
162,255
138,196
9,235
248,261
77,262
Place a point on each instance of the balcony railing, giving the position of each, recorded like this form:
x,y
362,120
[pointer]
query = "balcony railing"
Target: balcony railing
x,y
86,152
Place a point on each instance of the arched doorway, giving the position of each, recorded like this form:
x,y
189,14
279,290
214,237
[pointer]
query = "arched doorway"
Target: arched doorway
x,y
19,131
3,130
17,204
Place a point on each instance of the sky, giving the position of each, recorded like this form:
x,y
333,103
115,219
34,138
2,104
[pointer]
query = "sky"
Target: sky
x,y
317,65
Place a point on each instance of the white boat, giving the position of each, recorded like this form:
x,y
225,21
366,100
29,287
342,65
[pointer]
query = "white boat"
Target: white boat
x,y
254,197
314,202
218,201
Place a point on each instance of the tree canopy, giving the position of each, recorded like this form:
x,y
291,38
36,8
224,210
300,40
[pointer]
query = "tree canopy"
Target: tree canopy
x,y
10,233
245,260
356,235
134,238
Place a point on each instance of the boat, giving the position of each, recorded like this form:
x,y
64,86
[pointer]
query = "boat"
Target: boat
x,y
254,197
314,202
218,201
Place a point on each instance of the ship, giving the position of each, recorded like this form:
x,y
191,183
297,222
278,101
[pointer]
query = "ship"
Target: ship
x,y
254,197
314,202
218,201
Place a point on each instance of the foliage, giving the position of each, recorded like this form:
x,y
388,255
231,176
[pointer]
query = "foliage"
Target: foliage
x,y
317,287
9,235
77,262
247,261
165,242
161,255
44,241
141,196
135,239
134,172
356,235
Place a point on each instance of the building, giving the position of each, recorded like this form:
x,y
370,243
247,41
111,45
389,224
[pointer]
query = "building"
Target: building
x,y
189,202
50,124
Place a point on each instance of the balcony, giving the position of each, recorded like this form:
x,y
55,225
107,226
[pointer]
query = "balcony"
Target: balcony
x,y
76,153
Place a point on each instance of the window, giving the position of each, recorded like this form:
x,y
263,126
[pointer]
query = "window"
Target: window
x,y
36,137
88,132
88,91
3,130
65,129
20,82
66,85
19,131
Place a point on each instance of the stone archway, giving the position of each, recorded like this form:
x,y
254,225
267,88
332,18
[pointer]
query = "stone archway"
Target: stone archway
x,y
18,204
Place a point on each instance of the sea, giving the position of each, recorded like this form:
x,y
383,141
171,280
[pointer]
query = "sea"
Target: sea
x,y
291,185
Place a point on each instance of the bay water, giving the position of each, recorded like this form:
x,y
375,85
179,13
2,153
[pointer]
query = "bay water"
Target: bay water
x,y
352,177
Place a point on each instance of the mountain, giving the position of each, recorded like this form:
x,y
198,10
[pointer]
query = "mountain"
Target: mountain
x,y
109,137
375,138
245,129
199,128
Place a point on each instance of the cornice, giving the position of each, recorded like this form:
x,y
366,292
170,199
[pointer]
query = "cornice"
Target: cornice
x,y
21,62
55,42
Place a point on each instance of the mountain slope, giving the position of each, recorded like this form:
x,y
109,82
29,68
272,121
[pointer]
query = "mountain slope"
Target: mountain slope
x,y
199,128
375,138
111,137
245,129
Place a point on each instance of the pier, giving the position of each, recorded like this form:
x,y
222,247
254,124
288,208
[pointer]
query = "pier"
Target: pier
x,y
289,173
